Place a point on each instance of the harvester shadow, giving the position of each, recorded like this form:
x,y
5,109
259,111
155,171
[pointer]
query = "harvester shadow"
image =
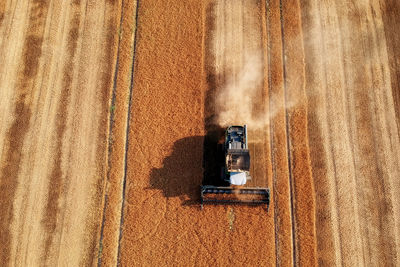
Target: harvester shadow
x,y
196,160
182,171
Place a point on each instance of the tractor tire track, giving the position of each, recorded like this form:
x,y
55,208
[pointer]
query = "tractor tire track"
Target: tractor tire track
x,y
288,144
279,151
128,121
300,175
110,144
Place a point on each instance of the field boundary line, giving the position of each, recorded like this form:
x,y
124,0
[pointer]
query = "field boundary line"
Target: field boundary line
x,y
110,141
271,129
288,145
127,132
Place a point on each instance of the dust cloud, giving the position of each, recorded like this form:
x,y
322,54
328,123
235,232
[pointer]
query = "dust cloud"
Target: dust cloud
x,y
234,100
240,99
240,67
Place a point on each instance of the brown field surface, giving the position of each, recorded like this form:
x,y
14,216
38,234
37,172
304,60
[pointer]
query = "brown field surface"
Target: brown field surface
x,y
110,112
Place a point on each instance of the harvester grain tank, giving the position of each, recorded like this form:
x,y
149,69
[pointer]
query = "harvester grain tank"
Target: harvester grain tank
x,y
235,173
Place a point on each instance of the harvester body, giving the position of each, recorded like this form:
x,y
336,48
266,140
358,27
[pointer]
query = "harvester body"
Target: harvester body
x,y
235,173
237,156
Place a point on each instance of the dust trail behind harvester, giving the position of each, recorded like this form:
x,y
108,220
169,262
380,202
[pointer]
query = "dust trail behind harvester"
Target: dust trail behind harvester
x,y
235,100
240,69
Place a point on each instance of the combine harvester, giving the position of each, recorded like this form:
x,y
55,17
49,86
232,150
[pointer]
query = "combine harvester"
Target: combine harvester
x,y
234,175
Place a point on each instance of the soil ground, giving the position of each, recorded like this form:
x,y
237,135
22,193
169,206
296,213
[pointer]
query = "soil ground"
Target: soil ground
x,y
108,117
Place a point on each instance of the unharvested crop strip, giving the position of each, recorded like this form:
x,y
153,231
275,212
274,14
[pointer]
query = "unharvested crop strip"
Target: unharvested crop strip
x,y
127,133
293,219
110,129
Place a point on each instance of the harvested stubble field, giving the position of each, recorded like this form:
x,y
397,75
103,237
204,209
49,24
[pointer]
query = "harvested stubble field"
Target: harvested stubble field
x,y
109,112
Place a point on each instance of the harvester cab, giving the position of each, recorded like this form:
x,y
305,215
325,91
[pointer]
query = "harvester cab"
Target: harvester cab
x,y
237,156
235,173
